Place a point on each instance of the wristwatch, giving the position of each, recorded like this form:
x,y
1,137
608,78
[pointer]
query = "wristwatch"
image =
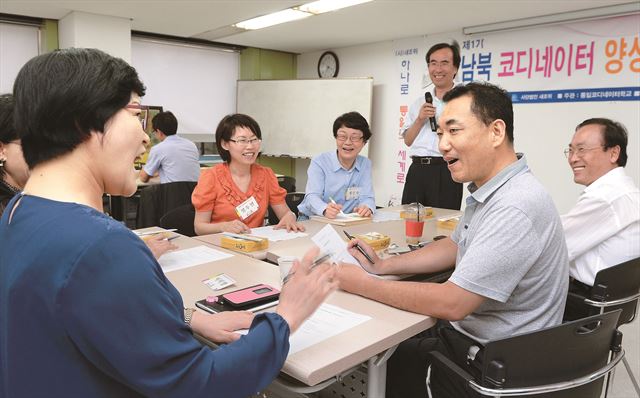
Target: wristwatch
x,y
188,314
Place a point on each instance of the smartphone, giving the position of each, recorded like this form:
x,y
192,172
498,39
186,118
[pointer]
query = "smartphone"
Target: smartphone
x,y
218,306
250,296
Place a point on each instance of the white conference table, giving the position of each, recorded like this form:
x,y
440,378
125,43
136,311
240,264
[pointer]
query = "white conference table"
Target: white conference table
x,y
319,365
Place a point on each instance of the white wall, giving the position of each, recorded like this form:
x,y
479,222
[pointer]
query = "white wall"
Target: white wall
x,y
542,131
364,61
109,34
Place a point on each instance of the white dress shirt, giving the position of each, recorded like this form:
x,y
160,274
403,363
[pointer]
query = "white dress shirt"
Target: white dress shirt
x,y
603,228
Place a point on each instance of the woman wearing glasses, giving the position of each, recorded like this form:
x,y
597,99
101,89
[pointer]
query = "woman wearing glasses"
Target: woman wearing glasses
x,y
234,196
340,181
13,169
84,304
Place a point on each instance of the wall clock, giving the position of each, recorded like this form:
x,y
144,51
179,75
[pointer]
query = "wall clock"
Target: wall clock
x,y
328,65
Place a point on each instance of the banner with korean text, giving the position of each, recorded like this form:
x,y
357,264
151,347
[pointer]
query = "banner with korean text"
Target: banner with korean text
x,y
590,61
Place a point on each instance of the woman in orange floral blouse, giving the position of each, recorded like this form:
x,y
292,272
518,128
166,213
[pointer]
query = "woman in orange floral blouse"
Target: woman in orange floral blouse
x,y
234,196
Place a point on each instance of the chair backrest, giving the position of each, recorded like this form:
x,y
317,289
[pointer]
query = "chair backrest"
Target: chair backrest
x,y
293,199
617,283
180,218
552,355
288,183
157,200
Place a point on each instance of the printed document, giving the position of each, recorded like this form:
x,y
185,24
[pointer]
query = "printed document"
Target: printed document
x,y
276,235
186,258
326,322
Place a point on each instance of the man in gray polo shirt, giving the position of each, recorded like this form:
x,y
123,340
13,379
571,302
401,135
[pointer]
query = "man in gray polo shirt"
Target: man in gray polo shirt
x,y
511,267
174,158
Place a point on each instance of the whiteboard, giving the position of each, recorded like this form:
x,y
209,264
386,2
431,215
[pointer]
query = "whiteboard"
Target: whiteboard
x,y
296,116
196,83
18,44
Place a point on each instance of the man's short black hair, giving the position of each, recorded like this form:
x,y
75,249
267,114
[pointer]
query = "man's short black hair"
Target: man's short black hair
x,y
454,47
165,122
613,134
352,120
227,127
62,96
488,103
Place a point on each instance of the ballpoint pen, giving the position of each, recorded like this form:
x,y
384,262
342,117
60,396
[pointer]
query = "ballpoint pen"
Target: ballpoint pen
x,y
334,202
359,248
155,232
317,262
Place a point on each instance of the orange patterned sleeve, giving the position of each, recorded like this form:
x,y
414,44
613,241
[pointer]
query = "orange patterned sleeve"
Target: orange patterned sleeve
x,y
276,192
205,193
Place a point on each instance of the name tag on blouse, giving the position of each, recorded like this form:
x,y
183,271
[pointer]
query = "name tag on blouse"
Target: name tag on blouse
x,y
352,193
247,208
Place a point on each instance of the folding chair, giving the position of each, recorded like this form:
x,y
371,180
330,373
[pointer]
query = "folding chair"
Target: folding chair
x,y
568,360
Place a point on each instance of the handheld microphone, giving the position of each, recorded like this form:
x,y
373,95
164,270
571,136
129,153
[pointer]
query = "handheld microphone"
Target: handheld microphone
x,y
432,120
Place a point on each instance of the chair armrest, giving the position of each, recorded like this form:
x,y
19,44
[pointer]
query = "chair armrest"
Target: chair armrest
x,y
451,369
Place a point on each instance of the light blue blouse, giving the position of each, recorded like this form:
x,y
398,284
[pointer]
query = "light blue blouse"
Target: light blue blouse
x,y
328,179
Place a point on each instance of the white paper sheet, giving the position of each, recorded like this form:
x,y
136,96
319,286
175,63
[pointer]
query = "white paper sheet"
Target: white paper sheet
x,y
329,241
380,216
186,258
276,235
326,322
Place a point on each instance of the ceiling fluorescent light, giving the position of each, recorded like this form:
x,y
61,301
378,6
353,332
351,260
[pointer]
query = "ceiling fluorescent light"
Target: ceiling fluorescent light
x,y
321,6
275,18
563,17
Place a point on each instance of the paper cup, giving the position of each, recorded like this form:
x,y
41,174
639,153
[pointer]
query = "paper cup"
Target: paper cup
x,y
413,230
285,263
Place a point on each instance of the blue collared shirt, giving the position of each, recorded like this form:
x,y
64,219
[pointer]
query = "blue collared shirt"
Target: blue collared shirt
x,y
175,159
328,179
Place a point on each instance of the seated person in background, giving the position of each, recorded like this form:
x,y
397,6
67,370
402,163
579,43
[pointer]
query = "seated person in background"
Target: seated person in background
x,y
84,305
14,172
511,268
340,180
174,158
603,228
234,196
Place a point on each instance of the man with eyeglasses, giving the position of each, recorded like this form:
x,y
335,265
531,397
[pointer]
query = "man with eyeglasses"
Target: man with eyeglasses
x,y
603,228
428,179
174,158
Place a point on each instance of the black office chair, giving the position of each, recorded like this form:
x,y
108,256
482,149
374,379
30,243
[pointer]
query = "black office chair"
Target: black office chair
x,y
293,199
288,183
180,218
569,360
616,287
157,200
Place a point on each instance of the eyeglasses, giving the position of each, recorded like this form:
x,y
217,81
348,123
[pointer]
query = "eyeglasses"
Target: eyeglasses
x,y
580,151
143,115
354,139
245,142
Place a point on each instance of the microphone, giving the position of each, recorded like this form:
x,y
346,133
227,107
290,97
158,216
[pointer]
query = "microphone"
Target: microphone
x,y
432,120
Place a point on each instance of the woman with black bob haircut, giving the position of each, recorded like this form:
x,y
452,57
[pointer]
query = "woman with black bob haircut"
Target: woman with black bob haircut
x,y
13,170
340,181
234,196
85,306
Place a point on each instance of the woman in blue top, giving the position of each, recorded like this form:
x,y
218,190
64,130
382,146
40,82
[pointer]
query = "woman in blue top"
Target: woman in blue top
x,y
86,309
340,180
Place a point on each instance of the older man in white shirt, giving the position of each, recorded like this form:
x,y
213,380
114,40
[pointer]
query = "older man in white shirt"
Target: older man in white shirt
x,y
603,228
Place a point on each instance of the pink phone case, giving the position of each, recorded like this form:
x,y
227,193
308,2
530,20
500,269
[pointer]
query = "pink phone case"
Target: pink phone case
x,y
251,295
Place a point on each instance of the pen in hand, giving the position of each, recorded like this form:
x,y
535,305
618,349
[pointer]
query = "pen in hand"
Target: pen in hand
x,y
334,202
317,262
359,248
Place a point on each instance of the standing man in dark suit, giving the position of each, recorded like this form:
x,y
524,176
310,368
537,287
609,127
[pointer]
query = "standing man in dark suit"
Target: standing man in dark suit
x,y
428,179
